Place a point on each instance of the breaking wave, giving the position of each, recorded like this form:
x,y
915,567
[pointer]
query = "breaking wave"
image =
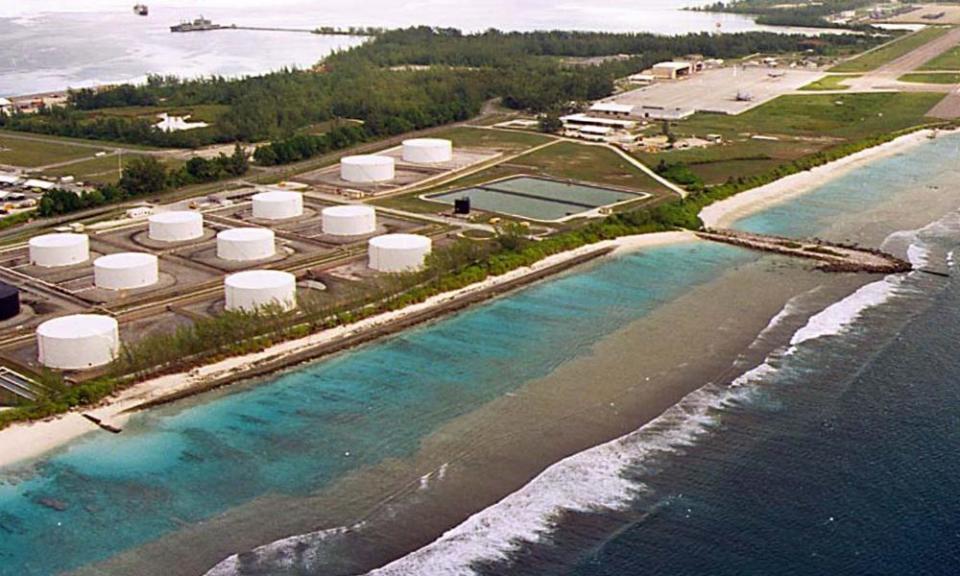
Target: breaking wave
x,y
593,480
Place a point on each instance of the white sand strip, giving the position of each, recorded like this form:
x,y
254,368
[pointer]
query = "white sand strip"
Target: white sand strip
x,y
724,213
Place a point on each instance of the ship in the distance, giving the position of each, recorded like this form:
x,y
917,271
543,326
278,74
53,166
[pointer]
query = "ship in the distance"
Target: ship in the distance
x,y
141,9
201,24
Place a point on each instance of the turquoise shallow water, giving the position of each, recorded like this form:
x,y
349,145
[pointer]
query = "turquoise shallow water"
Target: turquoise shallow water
x,y
881,181
307,428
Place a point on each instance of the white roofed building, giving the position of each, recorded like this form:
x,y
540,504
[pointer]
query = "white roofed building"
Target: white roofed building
x,y
612,109
587,120
672,70
8,179
39,184
595,133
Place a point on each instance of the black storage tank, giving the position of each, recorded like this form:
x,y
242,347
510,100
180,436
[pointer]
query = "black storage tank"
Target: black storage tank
x,y
9,301
461,205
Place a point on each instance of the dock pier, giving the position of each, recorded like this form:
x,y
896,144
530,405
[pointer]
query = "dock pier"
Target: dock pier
x,y
833,257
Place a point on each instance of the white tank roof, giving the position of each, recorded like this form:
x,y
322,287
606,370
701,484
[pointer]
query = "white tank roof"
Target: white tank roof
x,y
176,226
352,220
78,342
398,252
401,241
427,142
367,160
277,196
126,270
58,240
427,150
65,249
176,217
240,244
125,260
245,234
255,289
349,211
77,326
367,168
254,279
277,204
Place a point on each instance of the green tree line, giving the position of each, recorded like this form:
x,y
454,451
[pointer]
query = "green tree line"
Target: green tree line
x,y
143,176
402,80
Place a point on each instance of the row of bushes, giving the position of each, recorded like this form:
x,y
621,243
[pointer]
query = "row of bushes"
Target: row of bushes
x,y
460,265
145,175
305,146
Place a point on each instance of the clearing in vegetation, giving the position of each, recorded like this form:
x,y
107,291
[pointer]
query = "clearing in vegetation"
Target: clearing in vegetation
x,y
506,140
29,152
103,170
889,52
791,127
562,161
208,113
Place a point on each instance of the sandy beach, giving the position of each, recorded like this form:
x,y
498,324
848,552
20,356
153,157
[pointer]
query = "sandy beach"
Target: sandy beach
x,y
30,440
722,214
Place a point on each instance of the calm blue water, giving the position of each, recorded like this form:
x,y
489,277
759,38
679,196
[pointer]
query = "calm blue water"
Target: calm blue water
x,y
308,428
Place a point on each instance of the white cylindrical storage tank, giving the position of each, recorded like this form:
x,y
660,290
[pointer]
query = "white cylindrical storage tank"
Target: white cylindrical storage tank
x,y
353,220
398,252
369,168
126,271
178,226
277,205
52,250
241,244
427,150
254,289
77,342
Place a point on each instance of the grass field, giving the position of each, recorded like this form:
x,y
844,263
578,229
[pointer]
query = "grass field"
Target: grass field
x,y
932,77
949,60
802,125
569,160
830,83
101,170
498,139
68,141
564,160
31,153
209,113
844,116
889,52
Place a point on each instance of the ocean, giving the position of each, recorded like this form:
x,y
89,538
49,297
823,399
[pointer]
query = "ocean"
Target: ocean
x,y
51,45
837,454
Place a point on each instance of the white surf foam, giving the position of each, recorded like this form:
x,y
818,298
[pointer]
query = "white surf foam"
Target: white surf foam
x,y
593,480
304,550
590,481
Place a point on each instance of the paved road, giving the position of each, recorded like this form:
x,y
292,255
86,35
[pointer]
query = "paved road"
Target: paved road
x,y
885,78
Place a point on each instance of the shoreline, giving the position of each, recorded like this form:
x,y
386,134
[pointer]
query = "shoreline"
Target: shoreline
x,y
24,441
27,440
723,213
